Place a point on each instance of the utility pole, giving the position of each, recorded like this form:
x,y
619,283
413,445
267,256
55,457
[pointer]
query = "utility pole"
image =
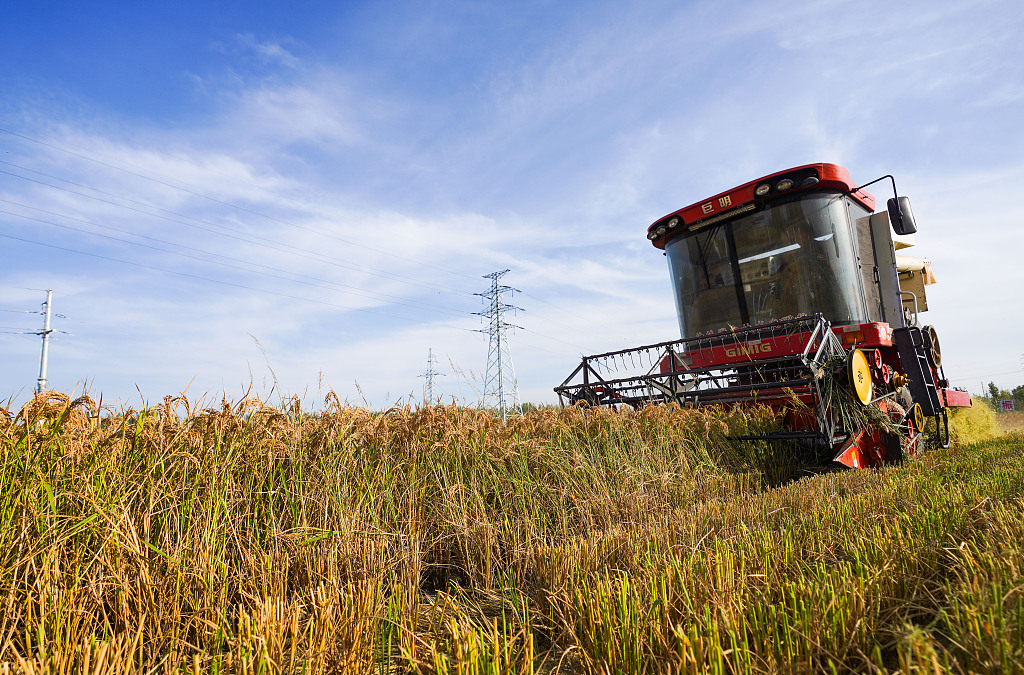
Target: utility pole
x,y
428,386
501,373
42,383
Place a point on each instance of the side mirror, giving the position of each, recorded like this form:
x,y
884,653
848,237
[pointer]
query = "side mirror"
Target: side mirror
x,y
901,217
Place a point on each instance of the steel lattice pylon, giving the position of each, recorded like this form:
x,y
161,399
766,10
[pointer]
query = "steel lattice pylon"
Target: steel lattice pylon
x,y
501,392
428,385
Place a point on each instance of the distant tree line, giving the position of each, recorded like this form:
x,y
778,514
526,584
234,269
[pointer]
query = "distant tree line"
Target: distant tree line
x,y
996,395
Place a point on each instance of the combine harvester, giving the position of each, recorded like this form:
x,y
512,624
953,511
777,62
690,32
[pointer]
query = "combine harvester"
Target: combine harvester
x,y
790,293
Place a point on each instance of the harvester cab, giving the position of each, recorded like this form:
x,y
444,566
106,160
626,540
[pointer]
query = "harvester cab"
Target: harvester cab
x,y
790,292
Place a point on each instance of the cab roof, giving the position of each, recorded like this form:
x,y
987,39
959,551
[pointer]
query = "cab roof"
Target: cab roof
x,y
750,196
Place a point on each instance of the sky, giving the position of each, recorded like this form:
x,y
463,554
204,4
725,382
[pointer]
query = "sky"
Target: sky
x,y
289,199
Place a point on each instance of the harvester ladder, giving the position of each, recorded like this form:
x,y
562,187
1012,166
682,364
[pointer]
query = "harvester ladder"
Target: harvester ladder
x,y
914,356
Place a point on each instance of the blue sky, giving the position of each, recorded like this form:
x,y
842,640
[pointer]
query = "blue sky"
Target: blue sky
x,y
226,195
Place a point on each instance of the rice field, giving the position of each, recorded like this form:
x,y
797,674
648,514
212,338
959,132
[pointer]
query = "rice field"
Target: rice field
x,y
245,538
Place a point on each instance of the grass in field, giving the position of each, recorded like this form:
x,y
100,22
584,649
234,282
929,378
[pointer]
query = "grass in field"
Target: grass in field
x,y
245,539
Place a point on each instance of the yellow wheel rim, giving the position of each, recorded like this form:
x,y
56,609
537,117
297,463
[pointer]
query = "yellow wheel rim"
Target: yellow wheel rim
x,y
918,417
860,376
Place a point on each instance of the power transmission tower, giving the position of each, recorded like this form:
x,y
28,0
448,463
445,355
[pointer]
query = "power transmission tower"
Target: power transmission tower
x,y
42,383
501,392
428,386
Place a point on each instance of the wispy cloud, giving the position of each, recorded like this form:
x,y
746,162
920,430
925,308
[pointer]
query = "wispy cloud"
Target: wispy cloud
x,y
368,199
246,46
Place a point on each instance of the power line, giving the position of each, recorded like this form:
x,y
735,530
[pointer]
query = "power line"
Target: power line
x,y
225,283
236,234
971,377
224,203
554,339
367,294
565,310
174,186
224,230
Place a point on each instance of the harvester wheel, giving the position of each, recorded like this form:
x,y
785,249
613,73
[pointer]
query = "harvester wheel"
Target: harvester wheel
x,y
932,343
858,372
917,417
899,446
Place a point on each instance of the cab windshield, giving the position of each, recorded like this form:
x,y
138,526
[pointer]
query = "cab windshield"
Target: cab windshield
x,y
793,257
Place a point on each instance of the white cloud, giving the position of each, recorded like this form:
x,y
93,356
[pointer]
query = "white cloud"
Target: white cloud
x,y
269,51
266,52
551,162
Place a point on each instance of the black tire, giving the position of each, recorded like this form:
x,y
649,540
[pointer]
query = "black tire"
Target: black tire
x,y
931,343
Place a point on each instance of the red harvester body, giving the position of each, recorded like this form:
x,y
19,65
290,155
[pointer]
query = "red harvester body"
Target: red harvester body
x,y
790,293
